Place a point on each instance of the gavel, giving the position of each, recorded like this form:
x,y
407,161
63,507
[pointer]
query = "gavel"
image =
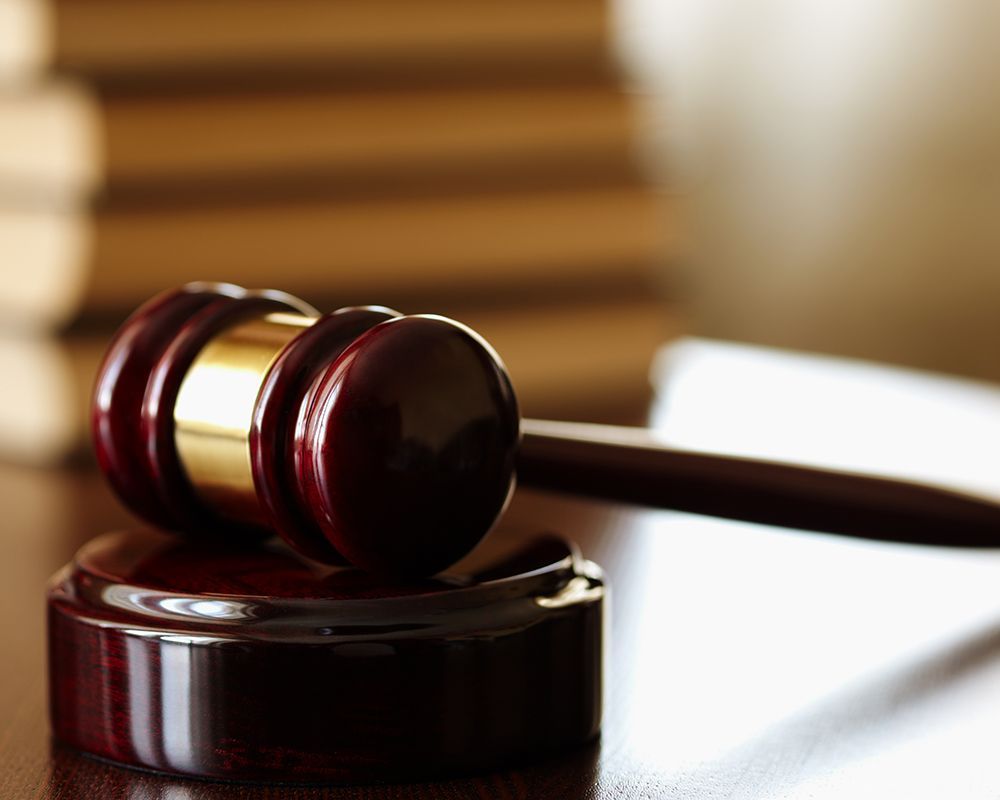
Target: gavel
x,y
391,442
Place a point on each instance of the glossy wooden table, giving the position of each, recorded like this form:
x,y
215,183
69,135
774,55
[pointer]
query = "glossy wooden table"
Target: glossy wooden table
x,y
744,661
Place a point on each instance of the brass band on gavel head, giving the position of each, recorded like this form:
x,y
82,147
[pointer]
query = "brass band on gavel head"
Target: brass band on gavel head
x,y
362,435
214,411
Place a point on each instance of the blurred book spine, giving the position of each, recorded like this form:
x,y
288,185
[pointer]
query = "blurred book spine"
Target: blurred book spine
x,y
168,41
477,159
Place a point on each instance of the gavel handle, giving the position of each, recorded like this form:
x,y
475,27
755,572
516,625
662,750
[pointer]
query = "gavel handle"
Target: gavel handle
x,y
626,464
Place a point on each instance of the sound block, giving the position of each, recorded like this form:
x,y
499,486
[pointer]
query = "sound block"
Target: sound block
x,y
258,664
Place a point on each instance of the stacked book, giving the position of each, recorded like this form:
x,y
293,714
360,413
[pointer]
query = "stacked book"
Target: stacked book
x,y
471,159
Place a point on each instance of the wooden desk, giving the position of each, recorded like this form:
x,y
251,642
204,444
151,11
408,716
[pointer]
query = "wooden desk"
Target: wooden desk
x,y
744,662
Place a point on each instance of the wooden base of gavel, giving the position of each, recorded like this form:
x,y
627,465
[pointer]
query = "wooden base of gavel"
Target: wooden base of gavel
x,y
388,443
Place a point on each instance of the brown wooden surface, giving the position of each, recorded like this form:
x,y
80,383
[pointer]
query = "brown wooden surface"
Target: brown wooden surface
x,y
721,683
744,661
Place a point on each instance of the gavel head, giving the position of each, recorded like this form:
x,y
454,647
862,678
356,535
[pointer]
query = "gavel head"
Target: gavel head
x,y
361,436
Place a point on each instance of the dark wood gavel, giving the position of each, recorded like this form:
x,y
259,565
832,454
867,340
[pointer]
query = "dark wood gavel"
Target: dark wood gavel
x,y
390,442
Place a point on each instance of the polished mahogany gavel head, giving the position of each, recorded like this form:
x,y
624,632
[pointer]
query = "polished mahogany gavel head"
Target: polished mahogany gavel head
x,y
360,436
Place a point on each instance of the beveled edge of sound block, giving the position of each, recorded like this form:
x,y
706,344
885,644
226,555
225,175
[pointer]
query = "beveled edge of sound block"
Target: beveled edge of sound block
x,y
261,665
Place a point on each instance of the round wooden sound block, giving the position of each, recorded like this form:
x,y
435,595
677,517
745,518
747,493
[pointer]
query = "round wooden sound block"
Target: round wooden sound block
x,y
259,664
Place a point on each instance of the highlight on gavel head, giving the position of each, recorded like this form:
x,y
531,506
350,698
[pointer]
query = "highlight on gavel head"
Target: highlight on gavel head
x,y
360,436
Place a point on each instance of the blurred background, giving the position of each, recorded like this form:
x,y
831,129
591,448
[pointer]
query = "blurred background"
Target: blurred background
x,y
479,160
840,164
581,181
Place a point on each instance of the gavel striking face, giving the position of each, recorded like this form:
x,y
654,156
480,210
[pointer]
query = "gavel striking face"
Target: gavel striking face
x,y
359,436
389,442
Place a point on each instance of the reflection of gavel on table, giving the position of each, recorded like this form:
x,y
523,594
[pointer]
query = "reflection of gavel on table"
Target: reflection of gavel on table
x,y
391,441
